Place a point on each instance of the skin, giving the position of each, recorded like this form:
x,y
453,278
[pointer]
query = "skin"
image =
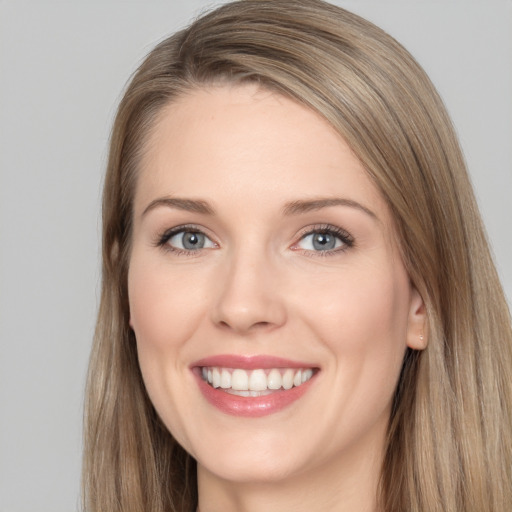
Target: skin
x,y
261,287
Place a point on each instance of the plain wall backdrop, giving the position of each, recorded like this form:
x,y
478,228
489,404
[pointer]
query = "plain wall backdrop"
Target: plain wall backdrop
x,y
63,65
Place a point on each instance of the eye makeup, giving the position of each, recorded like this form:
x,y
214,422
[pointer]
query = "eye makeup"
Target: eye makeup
x,y
190,246
322,239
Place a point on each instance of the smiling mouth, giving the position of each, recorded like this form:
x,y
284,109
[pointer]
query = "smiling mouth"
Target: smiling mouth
x,y
255,383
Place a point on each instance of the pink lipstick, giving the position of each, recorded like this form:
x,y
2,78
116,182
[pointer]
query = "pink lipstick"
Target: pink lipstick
x,y
252,386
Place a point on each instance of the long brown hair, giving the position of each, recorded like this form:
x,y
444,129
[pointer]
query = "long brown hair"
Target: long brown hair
x,y
449,443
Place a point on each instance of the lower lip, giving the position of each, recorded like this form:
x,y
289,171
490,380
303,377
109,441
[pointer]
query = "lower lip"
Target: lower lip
x,y
252,407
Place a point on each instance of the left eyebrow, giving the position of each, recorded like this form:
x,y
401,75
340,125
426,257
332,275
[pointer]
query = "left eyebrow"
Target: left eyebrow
x,y
298,207
178,203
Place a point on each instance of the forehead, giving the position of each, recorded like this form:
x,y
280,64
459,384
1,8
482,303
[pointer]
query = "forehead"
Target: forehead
x,y
227,142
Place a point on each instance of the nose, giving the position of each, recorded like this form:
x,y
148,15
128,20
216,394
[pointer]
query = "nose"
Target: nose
x,y
250,295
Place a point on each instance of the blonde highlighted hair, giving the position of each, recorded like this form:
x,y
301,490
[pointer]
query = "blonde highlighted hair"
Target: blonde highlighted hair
x,y
449,446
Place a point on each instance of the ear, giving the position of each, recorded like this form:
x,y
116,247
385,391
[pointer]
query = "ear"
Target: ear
x,y
417,333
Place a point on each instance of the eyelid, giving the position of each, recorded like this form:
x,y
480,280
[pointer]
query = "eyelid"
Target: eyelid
x,y
346,238
164,237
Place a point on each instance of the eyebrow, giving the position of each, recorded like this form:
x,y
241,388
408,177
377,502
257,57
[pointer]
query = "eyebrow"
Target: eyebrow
x,y
188,205
298,207
292,208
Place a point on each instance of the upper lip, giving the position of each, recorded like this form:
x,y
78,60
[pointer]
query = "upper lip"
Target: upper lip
x,y
250,362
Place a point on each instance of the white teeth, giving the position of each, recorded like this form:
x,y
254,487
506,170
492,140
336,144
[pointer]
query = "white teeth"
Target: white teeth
x,y
288,379
307,374
258,381
215,378
239,380
274,380
255,382
225,379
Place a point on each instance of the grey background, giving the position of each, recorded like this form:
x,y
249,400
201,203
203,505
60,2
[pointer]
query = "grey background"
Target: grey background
x,y
62,68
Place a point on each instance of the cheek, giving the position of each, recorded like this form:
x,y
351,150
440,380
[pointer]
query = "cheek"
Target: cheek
x,y
164,306
367,300
361,318
165,311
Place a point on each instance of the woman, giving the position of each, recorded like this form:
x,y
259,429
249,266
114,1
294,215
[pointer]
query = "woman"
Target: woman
x,y
299,309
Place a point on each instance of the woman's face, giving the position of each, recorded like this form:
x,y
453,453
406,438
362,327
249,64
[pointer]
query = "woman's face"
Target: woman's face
x,y
268,298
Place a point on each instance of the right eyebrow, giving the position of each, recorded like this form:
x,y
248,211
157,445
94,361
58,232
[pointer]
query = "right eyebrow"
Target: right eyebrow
x,y
188,205
298,207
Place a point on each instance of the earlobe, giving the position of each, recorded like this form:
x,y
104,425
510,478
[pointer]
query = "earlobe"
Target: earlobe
x,y
417,332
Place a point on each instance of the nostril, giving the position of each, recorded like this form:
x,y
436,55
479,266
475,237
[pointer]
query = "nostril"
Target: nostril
x,y
254,326
260,325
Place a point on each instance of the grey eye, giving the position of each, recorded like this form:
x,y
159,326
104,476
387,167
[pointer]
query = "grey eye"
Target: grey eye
x,y
320,242
190,241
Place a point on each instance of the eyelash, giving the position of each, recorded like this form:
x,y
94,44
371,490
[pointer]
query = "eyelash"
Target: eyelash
x,y
162,239
326,229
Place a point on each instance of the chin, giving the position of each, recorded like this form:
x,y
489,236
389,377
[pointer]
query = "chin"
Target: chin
x,y
264,461
241,469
